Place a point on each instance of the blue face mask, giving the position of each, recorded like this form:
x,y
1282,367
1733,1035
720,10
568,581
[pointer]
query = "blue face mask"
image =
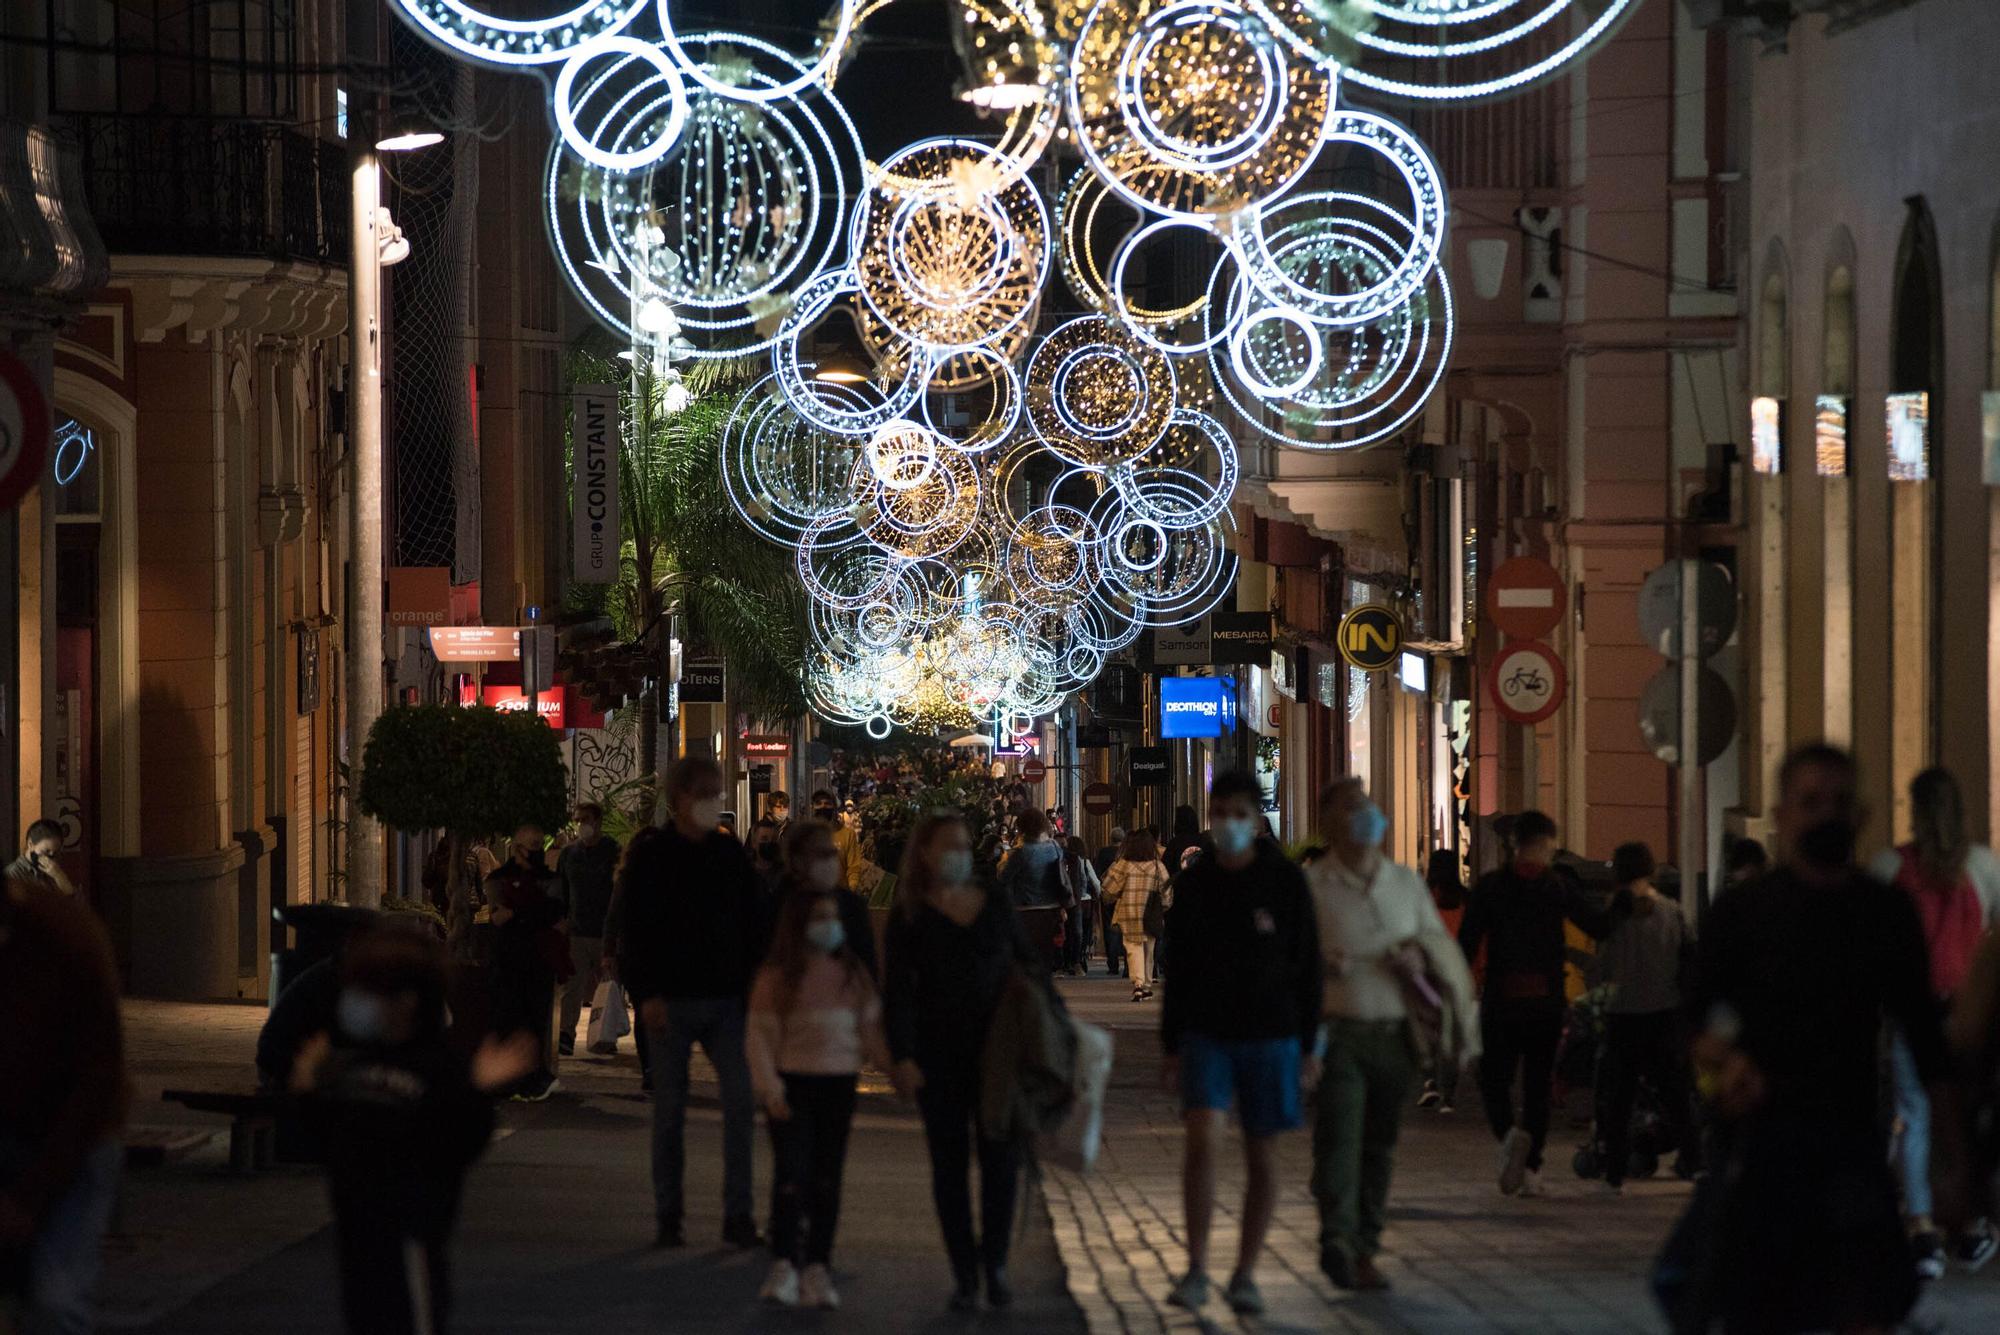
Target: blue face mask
x,y
1366,825
1234,837
827,935
954,866
363,1016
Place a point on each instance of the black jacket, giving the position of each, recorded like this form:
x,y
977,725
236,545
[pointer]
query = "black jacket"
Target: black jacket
x,y
942,983
692,919
583,884
1241,953
1520,922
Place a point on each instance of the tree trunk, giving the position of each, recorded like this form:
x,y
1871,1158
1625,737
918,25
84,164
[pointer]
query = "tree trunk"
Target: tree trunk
x,y
459,906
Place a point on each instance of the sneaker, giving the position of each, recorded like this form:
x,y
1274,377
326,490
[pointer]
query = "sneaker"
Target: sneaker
x,y
566,1047
1368,1276
816,1288
1927,1248
999,1293
781,1286
1138,994
1514,1148
1610,1188
670,1234
1531,1185
1976,1246
1244,1297
1191,1292
741,1233
1446,1106
965,1293
1337,1265
1430,1098
538,1091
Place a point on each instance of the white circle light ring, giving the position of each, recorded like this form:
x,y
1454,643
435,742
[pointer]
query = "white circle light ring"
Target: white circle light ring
x,y
1142,328
493,40
664,71
811,73
812,302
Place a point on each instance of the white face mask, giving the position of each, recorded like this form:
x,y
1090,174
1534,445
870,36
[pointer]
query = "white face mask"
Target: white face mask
x,y
1234,837
586,831
954,866
826,935
707,812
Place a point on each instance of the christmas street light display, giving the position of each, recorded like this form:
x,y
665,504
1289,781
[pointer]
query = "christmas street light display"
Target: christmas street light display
x,y
983,509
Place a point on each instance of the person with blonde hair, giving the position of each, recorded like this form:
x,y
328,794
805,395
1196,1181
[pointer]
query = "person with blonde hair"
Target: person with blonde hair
x,y
1136,886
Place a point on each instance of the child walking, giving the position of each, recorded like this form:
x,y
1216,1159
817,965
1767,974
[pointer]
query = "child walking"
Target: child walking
x,y
815,1016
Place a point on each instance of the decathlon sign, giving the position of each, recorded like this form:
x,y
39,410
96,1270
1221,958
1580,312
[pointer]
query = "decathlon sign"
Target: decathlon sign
x,y
1197,706
594,486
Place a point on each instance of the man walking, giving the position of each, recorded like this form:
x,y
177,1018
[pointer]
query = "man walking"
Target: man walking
x,y
691,938
530,958
1239,1024
62,1103
1517,913
583,886
1798,971
1379,935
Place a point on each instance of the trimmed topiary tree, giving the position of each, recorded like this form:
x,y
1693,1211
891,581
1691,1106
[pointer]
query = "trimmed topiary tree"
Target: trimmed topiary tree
x,y
472,772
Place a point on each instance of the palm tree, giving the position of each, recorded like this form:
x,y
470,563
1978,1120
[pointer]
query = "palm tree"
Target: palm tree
x,y
686,550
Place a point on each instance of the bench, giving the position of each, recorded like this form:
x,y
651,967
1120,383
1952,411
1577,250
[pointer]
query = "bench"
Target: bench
x,y
151,1146
253,1122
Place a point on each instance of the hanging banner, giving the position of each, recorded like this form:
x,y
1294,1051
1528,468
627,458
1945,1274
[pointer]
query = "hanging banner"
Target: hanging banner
x,y
594,486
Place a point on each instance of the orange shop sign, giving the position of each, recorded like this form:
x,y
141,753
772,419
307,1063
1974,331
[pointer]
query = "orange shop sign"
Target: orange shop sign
x,y
419,595
476,644
767,746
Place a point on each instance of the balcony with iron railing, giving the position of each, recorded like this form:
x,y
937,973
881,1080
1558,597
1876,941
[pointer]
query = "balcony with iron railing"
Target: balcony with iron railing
x,y
214,186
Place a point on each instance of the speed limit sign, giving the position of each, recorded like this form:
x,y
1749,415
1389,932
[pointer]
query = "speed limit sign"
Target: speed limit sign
x,y
1527,682
24,431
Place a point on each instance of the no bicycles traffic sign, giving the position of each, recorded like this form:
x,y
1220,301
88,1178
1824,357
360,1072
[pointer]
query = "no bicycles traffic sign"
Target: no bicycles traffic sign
x,y
1527,682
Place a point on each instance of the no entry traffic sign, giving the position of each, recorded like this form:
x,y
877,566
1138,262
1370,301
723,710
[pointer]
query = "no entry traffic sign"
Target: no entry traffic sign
x,y
1527,682
1098,799
24,430
1526,598
1033,770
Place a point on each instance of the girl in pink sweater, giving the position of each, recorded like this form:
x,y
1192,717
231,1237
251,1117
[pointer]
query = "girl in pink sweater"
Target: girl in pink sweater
x,y
815,1016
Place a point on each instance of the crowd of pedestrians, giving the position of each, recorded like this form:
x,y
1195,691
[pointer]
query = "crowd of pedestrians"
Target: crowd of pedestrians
x,y
1337,990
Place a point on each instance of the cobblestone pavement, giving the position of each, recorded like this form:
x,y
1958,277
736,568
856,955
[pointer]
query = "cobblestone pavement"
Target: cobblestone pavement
x,y
1462,1257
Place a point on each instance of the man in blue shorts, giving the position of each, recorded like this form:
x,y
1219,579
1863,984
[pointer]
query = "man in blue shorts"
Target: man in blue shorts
x,y
1240,1023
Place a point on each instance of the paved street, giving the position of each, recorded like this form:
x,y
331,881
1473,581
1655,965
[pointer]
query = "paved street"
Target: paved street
x,y
557,1215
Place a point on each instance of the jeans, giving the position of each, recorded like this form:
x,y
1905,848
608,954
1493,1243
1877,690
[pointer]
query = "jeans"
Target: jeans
x,y
66,1255
586,954
1913,1110
1636,1045
1139,959
1114,941
1076,935
717,1024
395,1271
1523,1035
949,1102
809,1150
1369,1069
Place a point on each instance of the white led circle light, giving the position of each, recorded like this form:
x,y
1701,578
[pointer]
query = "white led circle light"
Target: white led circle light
x,y
663,76
494,40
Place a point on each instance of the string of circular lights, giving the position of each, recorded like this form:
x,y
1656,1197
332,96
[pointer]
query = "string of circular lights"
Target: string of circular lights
x,y
983,509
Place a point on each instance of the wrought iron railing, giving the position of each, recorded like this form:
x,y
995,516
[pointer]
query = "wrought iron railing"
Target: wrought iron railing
x,y
190,185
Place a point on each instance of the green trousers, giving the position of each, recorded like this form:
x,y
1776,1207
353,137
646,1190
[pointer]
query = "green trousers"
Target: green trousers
x,y
1368,1072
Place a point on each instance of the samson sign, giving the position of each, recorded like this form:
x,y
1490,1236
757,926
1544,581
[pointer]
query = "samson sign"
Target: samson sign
x,y
594,490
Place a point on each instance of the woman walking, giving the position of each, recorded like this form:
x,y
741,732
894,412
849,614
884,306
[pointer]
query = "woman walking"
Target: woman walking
x,y
1082,918
1136,885
950,947
814,1017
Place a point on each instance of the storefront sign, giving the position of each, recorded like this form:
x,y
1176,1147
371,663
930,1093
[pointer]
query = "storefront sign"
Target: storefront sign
x,y
419,595
760,779
1197,706
594,488
24,430
702,681
1371,637
1183,646
1240,637
1149,766
476,644
548,704
774,745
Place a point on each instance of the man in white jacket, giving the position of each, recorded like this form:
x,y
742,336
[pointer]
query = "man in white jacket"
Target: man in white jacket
x,y
1383,942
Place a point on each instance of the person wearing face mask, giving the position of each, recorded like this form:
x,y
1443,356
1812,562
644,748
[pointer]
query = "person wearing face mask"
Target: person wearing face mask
x,y
815,1016
37,864
402,1115
1380,936
1240,1024
778,809
530,951
692,929
1798,1226
584,872
950,949
1516,912
827,812
765,852
811,865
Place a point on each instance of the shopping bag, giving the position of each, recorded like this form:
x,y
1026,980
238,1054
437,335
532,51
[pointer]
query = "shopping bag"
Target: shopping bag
x,y
1074,1141
608,1021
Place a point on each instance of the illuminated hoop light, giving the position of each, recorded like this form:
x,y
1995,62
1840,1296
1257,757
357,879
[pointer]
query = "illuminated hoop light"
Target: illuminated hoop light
x,y
892,449
1097,395
1140,328
1239,343
663,71
493,40
815,300
1440,54
810,73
